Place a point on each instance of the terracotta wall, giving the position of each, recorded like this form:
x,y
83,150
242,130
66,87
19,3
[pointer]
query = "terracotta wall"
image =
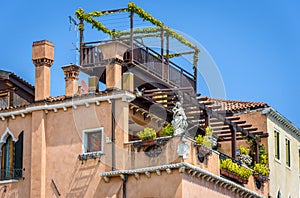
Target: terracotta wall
x,y
16,126
258,121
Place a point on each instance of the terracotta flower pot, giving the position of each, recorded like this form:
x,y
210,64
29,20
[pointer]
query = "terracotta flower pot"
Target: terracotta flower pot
x,y
148,142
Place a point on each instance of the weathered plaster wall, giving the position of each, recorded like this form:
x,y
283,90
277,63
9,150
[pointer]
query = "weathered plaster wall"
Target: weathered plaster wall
x,y
16,126
283,178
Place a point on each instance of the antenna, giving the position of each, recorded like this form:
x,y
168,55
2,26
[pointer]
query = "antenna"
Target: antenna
x,y
74,23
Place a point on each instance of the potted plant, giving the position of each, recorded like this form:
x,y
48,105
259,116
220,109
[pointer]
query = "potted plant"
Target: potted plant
x,y
260,170
245,158
148,136
167,130
234,171
203,143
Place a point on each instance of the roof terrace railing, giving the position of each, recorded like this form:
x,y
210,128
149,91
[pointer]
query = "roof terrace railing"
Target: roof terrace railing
x,y
146,58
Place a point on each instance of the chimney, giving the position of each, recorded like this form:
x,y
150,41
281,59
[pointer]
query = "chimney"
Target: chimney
x,y
128,81
113,52
93,84
71,76
42,57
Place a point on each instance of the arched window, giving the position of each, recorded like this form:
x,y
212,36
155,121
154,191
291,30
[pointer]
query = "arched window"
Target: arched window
x,y
279,194
7,158
11,156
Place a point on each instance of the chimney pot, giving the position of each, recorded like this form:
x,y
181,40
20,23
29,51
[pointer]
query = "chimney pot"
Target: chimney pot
x,y
42,57
71,76
93,83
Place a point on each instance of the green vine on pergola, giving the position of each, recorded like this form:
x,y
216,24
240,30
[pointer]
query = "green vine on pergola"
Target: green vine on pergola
x,y
89,17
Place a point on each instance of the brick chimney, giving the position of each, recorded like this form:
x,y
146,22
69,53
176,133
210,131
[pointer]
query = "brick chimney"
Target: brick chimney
x,y
71,76
113,52
42,57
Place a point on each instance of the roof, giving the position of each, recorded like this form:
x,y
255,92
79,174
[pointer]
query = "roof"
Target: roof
x,y
237,106
7,75
186,168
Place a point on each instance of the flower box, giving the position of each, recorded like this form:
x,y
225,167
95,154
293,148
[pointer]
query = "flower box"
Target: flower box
x,y
233,176
148,142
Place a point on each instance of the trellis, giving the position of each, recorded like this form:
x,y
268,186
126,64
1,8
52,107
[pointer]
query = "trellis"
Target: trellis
x,y
159,30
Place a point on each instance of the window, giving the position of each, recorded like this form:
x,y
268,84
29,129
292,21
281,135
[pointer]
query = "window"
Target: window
x,y
299,159
92,140
288,152
278,194
277,145
11,156
4,100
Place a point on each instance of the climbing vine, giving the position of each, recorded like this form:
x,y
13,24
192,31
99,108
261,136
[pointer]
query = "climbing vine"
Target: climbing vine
x,y
143,14
88,17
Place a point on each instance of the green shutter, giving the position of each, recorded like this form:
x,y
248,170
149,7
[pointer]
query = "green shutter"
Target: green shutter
x,y
18,159
277,149
287,150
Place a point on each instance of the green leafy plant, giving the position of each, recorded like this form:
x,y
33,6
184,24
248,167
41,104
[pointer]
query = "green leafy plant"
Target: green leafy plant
x,y
262,154
244,150
206,139
88,17
244,172
147,134
167,130
229,165
203,140
261,169
208,131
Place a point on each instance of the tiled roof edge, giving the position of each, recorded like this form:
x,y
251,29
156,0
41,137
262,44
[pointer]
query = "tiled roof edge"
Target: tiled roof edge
x,y
181,166
283,120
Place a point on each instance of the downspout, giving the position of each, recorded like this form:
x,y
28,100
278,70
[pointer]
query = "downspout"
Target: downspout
x,y
113,162
124,185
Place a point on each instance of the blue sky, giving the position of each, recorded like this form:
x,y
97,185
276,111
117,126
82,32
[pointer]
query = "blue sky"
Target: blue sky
x,y
254,44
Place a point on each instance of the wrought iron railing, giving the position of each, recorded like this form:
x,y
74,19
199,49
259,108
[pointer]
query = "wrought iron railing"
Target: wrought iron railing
x,y
11,174
223,156
147,59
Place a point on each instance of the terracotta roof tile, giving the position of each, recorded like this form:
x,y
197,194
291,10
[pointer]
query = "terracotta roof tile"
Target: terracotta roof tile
x,y
235,105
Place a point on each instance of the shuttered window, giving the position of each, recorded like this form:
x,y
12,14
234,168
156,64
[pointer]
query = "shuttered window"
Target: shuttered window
x,y
12,158
288,152
277,145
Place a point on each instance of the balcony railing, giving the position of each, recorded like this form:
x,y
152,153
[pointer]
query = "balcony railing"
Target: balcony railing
x,y
7,174
146,58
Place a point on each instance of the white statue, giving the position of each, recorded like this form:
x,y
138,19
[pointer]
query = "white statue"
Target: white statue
x,y
179,121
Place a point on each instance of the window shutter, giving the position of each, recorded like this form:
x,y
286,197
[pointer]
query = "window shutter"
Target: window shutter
x,y
18,159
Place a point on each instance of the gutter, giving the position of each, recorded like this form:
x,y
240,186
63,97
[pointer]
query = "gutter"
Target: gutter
x,y
74,103
280,118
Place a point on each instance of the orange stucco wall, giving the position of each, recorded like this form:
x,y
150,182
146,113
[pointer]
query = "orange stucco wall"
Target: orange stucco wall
x,y
53,141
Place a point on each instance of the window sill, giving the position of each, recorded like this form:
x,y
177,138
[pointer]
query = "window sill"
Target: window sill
x,y
288,168
8,181
91,155
277,160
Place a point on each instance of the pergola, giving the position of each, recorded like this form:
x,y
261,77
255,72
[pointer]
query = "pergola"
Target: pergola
x,y
172,44
202,113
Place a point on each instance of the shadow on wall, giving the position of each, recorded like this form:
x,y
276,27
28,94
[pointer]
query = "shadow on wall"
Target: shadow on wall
x,y
82,177
110,189
5,191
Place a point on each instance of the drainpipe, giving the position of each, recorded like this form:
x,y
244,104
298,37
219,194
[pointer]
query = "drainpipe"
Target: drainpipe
x,y
124,185
113,162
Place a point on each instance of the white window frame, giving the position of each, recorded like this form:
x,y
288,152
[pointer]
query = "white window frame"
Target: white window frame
x,y
279,146
290,152
84,140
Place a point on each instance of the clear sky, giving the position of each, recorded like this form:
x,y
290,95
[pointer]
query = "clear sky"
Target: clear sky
x,y
255,44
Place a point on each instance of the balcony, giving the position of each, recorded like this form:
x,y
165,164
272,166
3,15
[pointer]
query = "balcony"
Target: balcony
x,y
147,63
149,47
